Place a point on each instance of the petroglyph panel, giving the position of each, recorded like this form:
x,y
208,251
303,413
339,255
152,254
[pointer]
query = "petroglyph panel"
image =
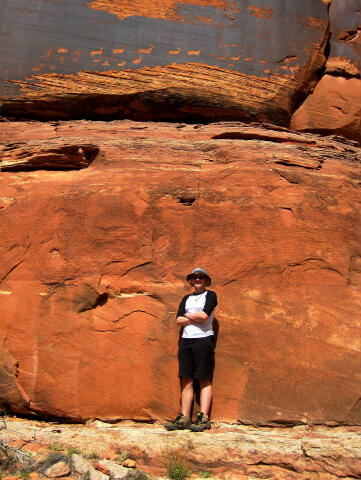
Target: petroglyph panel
x,y
62,38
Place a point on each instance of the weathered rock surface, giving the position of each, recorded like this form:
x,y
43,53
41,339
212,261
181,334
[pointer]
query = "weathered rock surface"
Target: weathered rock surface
x,y
335,104
192,60
333,107
228,451
94,261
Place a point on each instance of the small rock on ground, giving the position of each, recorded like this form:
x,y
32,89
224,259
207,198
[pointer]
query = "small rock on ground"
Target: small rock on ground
x,y
59,469
80,464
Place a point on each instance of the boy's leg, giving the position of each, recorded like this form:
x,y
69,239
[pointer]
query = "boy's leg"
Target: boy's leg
x,y
202,421
187,395
204,359
183,420
206,395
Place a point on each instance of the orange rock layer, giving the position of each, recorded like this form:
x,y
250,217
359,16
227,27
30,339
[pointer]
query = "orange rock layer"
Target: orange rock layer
x,y
165,9
165,92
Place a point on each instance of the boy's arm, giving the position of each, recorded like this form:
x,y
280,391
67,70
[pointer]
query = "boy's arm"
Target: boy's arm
x,y
209,306
198,317
181,319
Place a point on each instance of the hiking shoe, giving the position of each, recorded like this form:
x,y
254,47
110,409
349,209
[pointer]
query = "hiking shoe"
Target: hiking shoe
x,y
202,423
179,423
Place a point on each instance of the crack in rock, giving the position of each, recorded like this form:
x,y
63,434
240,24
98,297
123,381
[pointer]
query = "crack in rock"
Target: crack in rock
x,y
318,263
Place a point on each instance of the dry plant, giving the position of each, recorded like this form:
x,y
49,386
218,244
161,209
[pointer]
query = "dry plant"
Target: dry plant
x,y
13,459
176,465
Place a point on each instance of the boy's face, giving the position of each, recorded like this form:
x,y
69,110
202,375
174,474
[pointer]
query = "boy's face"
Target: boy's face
x,y
199,282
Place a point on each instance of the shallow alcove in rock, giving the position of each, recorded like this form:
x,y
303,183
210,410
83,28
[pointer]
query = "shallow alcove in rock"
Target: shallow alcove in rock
x,y
52,154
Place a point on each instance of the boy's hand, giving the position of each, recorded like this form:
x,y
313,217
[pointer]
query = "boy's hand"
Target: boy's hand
x,y
183,321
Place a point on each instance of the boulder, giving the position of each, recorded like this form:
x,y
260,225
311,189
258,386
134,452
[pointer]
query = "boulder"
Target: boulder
x,y
94,264
56,465
334,106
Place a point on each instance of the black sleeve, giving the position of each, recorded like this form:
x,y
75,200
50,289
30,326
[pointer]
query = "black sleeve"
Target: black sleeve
x,y
211,302
182,307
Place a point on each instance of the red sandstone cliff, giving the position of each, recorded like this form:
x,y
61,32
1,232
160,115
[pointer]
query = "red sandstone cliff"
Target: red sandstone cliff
x,y
94,259
102,220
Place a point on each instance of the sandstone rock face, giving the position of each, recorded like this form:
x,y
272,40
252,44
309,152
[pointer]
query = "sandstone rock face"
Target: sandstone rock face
x,y
194,60
94,261
335,104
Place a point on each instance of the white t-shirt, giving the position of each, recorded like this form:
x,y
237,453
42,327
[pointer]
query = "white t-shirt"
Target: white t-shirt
x,y
193,303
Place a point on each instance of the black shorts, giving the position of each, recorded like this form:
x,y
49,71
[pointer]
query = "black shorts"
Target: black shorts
x,y
196,358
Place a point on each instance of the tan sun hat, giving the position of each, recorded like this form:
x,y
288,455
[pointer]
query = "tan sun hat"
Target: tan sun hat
x,y
199,271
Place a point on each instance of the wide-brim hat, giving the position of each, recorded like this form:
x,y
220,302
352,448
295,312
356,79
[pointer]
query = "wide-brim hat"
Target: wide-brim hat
x,y
199,271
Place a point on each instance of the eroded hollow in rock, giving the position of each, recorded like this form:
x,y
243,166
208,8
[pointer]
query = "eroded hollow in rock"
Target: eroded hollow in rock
x,y
186,201
50,155
165,105
101,300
